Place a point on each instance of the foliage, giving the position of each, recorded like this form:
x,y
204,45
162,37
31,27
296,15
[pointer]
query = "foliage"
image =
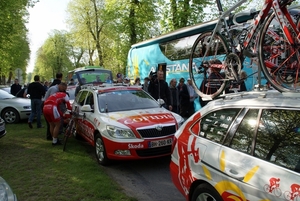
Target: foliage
x,y
14,48
54,56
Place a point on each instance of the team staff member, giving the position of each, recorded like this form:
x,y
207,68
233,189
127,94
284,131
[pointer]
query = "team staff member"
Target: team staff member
x,y
36,92
53,113
159,89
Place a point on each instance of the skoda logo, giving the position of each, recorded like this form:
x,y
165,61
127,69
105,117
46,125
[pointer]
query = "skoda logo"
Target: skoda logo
x,y
159,127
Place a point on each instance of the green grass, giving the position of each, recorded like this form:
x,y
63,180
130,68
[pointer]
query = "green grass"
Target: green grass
x,y
36,170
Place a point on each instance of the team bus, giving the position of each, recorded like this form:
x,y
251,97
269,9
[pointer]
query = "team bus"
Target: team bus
x,y
172,50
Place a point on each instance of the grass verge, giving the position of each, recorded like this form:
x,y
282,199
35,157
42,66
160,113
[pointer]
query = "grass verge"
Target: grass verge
x,y
36,170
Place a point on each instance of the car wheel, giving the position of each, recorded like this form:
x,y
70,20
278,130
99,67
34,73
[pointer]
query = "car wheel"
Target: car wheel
x,y
100,150
206,192
10,115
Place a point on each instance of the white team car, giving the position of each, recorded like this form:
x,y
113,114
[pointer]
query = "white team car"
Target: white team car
x,y
243,146
123,123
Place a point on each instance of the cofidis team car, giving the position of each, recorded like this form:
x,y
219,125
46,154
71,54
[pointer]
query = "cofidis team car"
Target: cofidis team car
x,y
12,109
124,122
6,193
244,147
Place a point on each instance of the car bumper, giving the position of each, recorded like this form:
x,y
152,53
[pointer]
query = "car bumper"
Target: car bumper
x,y
174,170
25,114
136,150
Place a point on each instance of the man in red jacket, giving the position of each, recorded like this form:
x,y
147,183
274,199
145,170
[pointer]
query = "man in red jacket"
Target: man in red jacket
x,y
52,112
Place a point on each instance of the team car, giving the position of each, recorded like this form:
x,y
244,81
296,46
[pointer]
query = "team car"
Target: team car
x,y
240,147
123,122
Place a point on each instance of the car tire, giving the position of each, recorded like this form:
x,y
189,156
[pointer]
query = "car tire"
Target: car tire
x,y
100,150
10,116
206,192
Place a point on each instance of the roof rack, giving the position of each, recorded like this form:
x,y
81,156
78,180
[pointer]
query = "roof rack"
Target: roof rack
x,y
260,94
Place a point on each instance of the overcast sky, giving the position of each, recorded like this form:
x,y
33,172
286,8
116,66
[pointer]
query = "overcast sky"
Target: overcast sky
x,y
45,16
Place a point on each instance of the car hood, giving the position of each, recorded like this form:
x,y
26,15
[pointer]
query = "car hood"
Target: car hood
x,y
18,101
143,118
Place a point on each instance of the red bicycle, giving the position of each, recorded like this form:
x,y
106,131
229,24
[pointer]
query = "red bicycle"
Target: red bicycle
x,y
272,39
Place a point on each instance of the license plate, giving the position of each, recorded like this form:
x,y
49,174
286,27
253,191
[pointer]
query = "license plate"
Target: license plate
x,y
160,143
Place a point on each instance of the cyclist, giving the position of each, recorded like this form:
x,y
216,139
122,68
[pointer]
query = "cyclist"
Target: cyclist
x,y
52,112
295,190
274,183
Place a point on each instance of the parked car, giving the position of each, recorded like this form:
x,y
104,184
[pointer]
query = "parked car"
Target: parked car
x,y
243,146
13,109
2,128
124,123
6,193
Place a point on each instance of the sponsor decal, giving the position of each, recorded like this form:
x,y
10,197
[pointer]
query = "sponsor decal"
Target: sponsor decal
x,y
135,146
147,118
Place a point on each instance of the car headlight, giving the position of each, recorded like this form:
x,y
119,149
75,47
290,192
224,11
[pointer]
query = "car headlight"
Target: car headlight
x,y
119,132
6,193
180,122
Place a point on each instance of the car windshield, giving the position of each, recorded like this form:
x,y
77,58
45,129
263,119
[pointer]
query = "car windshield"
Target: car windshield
x,y
94,76
5,95
123,100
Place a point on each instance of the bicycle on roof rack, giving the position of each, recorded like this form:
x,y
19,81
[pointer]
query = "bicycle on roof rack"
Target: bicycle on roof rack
x,y
272,39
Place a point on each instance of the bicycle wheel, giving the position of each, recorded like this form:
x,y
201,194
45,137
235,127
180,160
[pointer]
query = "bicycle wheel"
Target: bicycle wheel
x,y
68,133
207,86
279,60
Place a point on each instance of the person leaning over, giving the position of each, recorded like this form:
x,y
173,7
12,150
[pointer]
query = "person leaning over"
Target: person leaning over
x,y
15,88
36,91
53,113
159,89
62,87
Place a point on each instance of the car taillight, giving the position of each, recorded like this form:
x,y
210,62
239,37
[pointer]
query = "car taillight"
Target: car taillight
x,y
173,143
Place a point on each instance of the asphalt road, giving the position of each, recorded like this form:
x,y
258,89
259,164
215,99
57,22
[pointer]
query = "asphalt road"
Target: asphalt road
x,y
146,180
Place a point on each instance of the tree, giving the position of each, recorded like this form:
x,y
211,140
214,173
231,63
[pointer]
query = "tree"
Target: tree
x,y
14,48
54,56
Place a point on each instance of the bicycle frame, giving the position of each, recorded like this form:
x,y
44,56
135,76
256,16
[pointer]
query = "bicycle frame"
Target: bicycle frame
x,y
280,11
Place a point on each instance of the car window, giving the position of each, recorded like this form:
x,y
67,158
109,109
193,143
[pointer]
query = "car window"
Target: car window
x,y
90,100
278,138
123,100
81,97
242,140
214,126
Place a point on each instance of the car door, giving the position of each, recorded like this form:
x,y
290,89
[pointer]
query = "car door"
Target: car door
x,y
261,161
89,119
79,102
211,129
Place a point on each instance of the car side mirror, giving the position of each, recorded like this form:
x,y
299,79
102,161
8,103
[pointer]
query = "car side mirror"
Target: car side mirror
x,y
86,108
160,102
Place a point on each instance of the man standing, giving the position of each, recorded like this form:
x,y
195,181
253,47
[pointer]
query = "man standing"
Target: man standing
x,y
193,96
57,80
15,88
184,98
159,89
174,95
36,91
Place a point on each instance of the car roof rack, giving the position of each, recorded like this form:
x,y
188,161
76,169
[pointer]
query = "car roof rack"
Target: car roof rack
x,y
260,94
